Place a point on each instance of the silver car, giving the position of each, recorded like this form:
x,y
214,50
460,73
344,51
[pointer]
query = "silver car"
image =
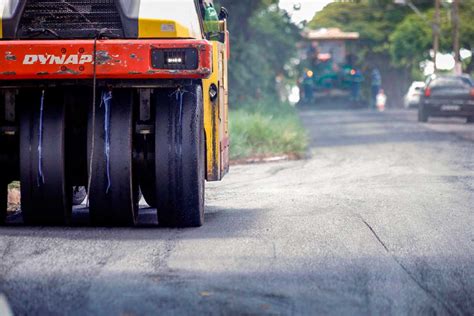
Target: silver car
x,y
413,96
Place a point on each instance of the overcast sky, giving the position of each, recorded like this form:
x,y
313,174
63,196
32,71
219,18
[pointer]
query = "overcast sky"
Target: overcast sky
x,y
308,8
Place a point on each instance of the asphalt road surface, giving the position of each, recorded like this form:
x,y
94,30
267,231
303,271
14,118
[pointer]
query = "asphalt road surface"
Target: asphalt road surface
x,y
379,220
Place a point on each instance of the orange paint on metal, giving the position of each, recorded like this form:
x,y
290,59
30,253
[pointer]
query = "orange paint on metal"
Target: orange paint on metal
x,y
116,59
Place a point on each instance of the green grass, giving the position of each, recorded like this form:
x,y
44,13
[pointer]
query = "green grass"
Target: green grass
x,y
14,185
266,129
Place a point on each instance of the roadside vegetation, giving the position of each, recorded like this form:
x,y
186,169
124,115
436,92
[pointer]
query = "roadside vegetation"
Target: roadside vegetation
x,y
263,129
262,45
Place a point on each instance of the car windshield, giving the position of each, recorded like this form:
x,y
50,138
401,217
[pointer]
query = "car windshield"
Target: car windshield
x,y
451,82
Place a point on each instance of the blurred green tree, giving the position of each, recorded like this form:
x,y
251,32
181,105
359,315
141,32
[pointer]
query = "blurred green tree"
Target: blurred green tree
x,y
467,30
263,40
410,42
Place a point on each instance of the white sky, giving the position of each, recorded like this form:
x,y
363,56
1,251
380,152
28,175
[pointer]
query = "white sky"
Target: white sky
x,y
308,8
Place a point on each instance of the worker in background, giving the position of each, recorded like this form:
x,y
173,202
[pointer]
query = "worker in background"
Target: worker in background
x,y
308,86
381,100
376,84
356,82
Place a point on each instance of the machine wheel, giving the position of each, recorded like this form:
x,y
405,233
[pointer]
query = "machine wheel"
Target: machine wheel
x,y
79,195
6,175
179,157
45,190
113,192
422,114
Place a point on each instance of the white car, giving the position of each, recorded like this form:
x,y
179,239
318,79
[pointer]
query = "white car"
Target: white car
x,y
412,98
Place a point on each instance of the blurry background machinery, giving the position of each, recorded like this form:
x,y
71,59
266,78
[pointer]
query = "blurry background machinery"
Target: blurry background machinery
x,y
330,68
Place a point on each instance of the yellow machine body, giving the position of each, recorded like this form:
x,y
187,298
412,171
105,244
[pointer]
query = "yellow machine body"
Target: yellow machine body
x,y
180,19
169,19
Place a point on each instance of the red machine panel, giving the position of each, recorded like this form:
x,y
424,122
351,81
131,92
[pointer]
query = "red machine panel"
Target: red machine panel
x,y
115,59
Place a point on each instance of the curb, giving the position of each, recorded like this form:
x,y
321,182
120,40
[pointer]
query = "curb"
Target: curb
x,y
266,159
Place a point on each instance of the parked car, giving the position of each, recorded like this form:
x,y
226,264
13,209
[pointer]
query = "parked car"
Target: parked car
x,y
412,98
447,96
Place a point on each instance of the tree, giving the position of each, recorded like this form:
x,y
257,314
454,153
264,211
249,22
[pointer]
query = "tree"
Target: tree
x,y
410,42
467,30
263,40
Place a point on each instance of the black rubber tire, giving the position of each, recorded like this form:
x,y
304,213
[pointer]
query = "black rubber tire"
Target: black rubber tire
x,y
422,114
180,158
470,120
5,179
117,206
79,195
48,202
3,201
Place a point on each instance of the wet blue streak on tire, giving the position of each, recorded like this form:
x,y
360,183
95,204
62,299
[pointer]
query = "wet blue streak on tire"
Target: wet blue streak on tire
x,y
118,206
48,203
179,175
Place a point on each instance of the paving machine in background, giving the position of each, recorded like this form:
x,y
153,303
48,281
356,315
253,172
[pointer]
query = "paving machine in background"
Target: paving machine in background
x,y
330,69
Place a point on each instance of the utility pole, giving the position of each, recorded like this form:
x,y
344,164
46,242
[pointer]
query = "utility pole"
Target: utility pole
x,y
456,44
436,31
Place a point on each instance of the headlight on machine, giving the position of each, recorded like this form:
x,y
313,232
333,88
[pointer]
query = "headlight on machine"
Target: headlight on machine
x,y
179,59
